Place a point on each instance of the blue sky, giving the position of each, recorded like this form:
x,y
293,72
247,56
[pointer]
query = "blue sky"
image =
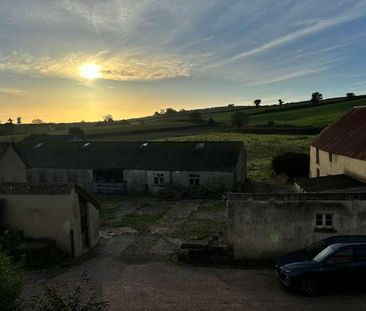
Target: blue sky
x,y
168,53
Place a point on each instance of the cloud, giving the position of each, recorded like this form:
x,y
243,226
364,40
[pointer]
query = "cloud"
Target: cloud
x,y
118,66
14,92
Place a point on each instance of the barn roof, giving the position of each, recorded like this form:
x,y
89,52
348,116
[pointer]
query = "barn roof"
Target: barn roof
x,y
3,148
188,156
345,137
43,138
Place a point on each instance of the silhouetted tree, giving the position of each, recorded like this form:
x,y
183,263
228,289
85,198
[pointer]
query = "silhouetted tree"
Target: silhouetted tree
x,y
37,121
257,102
10,121
170,111
76,131
280,102
108,118
195,116
211,122
351,96
19,120
238,119
316,97
156,114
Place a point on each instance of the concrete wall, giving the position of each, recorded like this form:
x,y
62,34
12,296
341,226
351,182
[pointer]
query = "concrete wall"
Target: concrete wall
x,y
12,167
82,177
45,216
261,227
339,165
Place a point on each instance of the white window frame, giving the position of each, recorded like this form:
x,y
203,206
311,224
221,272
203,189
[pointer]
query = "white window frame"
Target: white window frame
x,y
159,179
324,217
194,178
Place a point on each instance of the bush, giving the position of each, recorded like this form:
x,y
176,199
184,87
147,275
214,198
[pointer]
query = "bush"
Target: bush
x,y
11,284
238,119
292,164
76,131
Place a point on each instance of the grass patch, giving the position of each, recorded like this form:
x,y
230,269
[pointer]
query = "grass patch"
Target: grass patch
x,y
198,229
211,207
139,222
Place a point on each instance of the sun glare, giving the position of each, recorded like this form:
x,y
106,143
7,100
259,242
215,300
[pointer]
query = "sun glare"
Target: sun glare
x,y
90,71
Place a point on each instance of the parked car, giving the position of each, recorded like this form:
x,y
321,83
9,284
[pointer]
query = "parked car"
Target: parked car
x,y
335,261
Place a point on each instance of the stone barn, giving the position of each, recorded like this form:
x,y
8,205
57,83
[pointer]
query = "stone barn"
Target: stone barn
x,y
341,147
120,167
64,213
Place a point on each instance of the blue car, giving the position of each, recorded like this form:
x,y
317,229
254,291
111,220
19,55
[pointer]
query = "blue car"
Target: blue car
x,y
333,262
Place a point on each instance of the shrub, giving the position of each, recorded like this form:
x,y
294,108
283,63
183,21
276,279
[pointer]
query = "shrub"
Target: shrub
x,y
238,119
76,131
11,284
292,164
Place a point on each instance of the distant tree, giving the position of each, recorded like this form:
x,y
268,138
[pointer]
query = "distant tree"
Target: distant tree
x,y
280,102
211,122
19,120
37,121
257,102
238,119
76,131
231,105
10,121
162,111
108,118
170,111
351,96
195,116
316,97
156,114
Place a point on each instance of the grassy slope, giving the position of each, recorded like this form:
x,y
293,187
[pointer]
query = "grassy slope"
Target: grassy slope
x,y
260,149
312,116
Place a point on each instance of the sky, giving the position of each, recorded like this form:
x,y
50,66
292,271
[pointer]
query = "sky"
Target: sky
x,y
185,54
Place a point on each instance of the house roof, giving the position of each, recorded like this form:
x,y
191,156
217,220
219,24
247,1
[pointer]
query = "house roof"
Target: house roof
x,y
43,138
46,188
184,156
330,183
3,148
345,137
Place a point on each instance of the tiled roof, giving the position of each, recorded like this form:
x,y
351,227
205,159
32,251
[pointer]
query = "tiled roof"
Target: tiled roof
x,y
40,188
3,148
345,137
185,156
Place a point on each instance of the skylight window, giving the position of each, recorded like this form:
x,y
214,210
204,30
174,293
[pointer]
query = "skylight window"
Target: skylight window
x,y
200,146
144,145
38,145
86,145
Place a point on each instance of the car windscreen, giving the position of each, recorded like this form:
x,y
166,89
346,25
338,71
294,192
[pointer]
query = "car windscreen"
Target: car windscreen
x,y
315,249
324,254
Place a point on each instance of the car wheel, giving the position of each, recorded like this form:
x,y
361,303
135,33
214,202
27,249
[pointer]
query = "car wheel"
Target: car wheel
x,y
309,287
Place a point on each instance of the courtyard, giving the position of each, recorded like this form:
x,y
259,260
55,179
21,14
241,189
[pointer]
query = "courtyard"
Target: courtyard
x,y
132,270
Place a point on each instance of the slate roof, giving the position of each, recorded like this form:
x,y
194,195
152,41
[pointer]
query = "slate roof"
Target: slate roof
x,y
46,188
180,156
330,183
345,137
43,138
3,148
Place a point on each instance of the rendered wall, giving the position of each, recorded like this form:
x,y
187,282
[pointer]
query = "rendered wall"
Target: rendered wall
x,y
263,228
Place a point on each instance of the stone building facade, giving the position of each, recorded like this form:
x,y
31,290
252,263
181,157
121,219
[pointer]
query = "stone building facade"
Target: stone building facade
x,y
263,226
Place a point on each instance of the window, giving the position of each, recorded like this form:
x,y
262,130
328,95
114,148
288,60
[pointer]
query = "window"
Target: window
x,y
330,157
158,179
360,253
342,257
317,156
108,176
324,220
194,180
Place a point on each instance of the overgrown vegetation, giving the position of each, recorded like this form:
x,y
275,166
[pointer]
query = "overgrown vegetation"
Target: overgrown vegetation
x,y
79,297
198,229
139,222
11,284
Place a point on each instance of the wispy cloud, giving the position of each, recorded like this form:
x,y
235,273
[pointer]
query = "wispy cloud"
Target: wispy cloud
x,y
118,66
13,92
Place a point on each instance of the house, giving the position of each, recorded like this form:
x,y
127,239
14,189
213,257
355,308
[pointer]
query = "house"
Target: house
x,y
120,167
12,165
341,147
64,213
263,226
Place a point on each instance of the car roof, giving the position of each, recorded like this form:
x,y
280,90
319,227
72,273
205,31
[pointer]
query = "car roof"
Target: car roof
x,y
346,239
337,246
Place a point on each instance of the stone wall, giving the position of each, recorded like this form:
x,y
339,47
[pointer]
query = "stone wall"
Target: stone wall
x,y
263,226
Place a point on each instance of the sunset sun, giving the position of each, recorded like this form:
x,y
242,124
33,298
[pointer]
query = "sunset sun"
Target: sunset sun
x,y
90,71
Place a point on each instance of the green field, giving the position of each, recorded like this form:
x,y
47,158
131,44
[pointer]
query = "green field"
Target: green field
x,y
320,116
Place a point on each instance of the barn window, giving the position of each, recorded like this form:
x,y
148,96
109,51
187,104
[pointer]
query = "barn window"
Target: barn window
x,y
330,157
159,179
324,220
317,156
194,180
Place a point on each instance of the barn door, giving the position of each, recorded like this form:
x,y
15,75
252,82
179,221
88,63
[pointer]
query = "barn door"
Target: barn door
x,y
84,223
